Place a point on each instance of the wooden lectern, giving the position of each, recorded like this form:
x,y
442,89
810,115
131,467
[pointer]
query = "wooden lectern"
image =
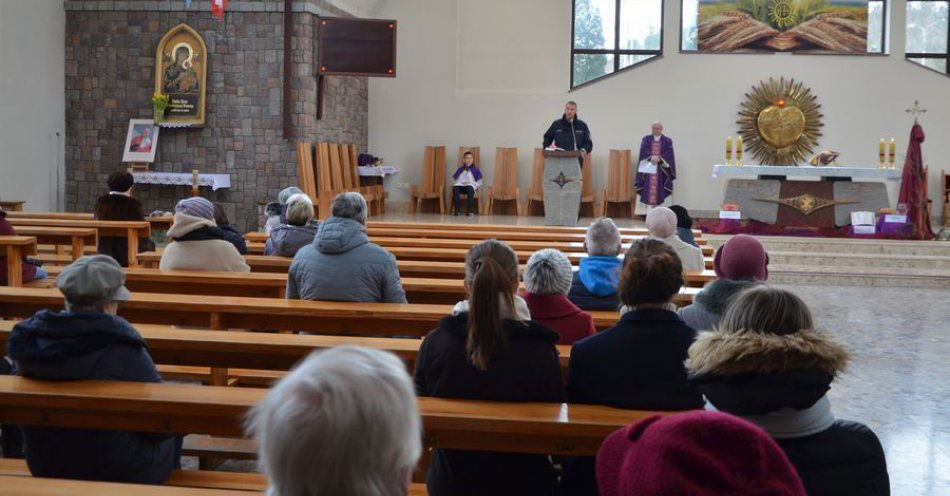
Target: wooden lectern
x,y
562,187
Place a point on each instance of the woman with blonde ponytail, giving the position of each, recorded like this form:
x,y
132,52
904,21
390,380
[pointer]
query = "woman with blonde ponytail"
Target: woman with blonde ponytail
x,y
490,349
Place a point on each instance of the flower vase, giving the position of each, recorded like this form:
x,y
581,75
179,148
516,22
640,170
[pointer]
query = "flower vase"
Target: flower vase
x,y
158,116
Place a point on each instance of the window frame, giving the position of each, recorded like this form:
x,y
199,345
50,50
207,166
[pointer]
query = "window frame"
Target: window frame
x,y
930,55
616,51
884,48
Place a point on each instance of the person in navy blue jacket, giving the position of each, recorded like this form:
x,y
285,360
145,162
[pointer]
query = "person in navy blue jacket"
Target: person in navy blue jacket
x,y
637,363
569,132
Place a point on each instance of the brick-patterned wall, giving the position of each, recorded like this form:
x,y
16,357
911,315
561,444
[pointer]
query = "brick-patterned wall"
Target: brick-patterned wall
x,y
110,64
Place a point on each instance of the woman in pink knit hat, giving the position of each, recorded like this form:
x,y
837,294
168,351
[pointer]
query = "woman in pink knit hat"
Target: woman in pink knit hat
x,y
740,264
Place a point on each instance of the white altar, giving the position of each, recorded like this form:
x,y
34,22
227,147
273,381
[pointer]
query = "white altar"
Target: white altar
x,y
377,170
805,171
215,181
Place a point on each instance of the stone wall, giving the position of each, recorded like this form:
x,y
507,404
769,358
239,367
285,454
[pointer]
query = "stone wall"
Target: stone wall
x,y
110,64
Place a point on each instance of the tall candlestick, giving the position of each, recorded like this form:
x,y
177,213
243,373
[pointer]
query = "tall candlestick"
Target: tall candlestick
x,y
728,150
892,152
880,153
739,150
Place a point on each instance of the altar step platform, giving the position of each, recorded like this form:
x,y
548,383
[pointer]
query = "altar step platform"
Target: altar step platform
x,y
854,262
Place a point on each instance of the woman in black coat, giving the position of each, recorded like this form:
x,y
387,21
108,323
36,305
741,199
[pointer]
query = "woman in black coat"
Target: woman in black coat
x,y
489,349
637,363
767,363
119,204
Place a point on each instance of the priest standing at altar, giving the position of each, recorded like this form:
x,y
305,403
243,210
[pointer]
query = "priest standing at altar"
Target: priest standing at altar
x,y
656,167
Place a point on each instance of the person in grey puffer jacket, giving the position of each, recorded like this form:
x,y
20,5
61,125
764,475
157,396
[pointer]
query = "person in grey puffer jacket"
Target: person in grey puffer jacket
x,y
286,239
341,264
740,263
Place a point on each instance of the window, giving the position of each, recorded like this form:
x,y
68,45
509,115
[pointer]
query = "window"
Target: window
x,y
928,30
877,13
613,35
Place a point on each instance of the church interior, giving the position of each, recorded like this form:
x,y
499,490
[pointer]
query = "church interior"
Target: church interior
x,y
474,247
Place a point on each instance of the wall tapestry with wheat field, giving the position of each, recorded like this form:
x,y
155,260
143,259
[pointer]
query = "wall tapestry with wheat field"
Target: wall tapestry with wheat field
x,y
810,26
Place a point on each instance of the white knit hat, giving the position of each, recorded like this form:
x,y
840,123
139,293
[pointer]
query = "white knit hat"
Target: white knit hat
x,y
548,272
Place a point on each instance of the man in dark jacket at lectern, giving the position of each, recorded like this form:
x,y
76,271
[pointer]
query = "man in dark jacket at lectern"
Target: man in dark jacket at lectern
x,y
569,132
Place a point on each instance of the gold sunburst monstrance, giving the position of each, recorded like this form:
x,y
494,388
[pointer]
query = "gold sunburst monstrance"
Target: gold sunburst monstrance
x,y
780,122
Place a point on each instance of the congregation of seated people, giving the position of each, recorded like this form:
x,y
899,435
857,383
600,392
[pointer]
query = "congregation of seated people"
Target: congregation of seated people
x,y
745,364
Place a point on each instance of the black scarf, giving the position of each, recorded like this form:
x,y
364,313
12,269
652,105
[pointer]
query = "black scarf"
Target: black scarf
x,y
202,234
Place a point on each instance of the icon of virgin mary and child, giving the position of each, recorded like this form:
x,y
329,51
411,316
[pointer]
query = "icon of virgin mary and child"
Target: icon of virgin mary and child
x,y
180,76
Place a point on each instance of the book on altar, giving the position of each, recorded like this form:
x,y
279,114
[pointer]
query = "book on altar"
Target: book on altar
x,y
646,167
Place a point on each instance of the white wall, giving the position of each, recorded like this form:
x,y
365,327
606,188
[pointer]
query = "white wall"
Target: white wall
x,y
496,73
32,112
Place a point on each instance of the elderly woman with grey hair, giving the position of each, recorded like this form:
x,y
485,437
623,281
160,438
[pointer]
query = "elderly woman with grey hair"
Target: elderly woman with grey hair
x,y
594,285
547,279
341,264
299,231
343,422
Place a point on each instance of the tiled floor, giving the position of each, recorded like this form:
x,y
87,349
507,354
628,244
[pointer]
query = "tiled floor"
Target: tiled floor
x,y
898,382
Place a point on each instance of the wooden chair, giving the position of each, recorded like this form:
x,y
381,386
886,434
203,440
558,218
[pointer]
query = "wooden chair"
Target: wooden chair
x,y
433,180
476,154
619,190
535,197
375,194
306,171
589,205
504,186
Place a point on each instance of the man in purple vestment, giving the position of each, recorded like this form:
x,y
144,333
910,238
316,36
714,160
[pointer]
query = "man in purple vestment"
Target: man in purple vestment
x,y
658,149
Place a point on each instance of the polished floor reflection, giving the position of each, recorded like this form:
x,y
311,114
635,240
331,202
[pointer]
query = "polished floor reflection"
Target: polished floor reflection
x,y
897,382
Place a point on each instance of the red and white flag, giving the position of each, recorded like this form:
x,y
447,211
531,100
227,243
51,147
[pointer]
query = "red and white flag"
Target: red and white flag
x,y
217,8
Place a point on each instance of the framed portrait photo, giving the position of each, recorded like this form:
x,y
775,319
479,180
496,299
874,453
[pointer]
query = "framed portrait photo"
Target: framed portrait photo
x,y
141,142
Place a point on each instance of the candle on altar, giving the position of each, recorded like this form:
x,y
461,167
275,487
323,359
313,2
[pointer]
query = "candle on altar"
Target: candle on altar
x,y
728,150
738,150
881,150
892,152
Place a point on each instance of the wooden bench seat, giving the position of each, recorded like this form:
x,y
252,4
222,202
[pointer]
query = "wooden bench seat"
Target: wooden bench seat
x,y
503,227
78,238
549,428
15,248
273,284
131,230
574,250
228,312
252,357
407,268
51,215
462,231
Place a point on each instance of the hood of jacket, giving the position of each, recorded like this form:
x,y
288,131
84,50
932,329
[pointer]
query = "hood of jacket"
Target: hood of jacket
x,y
339,235
119,207
600,275
290,238
754,373
184,224
715,297
56,336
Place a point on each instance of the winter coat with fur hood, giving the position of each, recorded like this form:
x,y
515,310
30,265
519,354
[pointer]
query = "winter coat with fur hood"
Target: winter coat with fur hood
x,y
779,382
120,207
710,303
200,245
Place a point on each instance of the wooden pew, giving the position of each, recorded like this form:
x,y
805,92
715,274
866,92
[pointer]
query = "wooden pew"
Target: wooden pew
x,y
255,350
184,481
544,428
15,248
131,230
12,205
229,312
38,486
76,237
51,215
407,268
461,233
515,228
